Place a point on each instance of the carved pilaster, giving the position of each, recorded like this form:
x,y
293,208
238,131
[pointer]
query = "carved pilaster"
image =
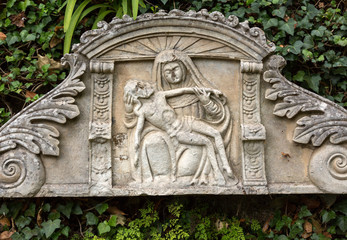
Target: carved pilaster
x,y
100,127
253,132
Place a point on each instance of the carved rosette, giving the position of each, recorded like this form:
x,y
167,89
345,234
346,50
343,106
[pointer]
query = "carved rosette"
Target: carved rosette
x,y
29,134
253,132
100,127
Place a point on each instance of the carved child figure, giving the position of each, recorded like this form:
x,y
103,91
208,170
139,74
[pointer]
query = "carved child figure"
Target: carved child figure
x,y
150,105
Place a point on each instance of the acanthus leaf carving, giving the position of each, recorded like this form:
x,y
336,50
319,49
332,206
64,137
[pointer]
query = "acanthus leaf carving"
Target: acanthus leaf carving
x,y
317,128
314,128
57,106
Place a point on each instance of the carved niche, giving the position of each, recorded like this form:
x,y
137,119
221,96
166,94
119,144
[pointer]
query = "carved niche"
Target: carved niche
x,y
174,103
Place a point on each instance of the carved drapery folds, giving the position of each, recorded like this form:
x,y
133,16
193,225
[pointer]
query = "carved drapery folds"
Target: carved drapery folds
x,y
253,132
100,127
29,134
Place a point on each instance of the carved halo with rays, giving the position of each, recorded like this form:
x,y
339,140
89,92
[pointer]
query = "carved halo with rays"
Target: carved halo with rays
x,y
149,47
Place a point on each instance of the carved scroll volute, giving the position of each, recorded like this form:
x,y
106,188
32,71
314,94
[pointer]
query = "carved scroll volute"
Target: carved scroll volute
x,y
29,134
253,132
100,127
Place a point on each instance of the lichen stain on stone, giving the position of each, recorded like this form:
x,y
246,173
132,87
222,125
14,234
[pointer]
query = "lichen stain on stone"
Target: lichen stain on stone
x,y
119,139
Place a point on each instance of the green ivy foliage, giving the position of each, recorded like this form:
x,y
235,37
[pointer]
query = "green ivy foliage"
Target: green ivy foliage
x,y
162,219
30,36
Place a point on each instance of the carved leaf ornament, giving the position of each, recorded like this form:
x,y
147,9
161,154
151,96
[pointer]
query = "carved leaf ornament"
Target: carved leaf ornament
x,y
315,128
30,131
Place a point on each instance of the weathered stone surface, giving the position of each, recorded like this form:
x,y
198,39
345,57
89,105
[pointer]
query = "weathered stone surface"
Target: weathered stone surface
x,y
175,103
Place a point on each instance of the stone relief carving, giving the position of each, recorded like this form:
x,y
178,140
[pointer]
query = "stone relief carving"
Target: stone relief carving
x,y
100,127
328,165
315,128
188,119
177,126
22,139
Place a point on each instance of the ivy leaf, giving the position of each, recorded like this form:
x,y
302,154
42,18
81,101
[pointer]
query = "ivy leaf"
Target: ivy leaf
x,y
296,48
328,215
30,212
299,77
65,209
10,3
342,223
53,215
304,212
113,221
65,231
101,207
319,32
22,221
313,82
91,219
50,226
288,27
307,54
3,209
305,23
46,207
103,227
312,11
308,42
281,12
341,207
272,22
77,210
13,38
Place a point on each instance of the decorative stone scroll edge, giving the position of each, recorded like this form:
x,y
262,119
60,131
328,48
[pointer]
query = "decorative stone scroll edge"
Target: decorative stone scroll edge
x,y
255,34
328,164
332,121
23,138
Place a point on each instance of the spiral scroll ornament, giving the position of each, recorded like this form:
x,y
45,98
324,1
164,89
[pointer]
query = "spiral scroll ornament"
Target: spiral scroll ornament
x,y
337,166
328,168
21,173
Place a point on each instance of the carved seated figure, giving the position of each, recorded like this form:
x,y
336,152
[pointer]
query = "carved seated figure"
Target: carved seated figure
x,y
152,106
173,70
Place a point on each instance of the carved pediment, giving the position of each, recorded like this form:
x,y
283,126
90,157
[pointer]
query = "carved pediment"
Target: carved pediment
x,y
174,103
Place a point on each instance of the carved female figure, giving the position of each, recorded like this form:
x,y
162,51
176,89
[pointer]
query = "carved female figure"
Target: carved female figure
x,y
172,70
151,106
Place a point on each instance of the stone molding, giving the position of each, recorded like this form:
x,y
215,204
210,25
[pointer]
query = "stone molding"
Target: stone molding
x,y
100,127
253,132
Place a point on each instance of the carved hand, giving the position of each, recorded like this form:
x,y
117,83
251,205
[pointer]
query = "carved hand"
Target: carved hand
x,y
202,94
217,92
129,103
